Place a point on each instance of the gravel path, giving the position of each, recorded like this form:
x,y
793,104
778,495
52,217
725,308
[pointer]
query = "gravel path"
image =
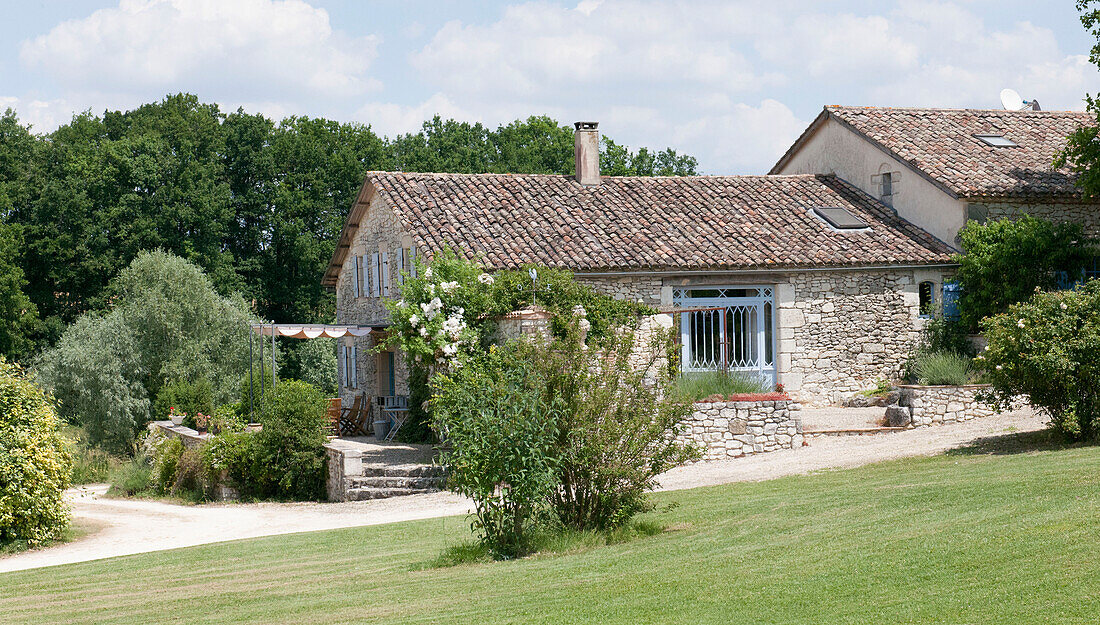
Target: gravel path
x,y
130,526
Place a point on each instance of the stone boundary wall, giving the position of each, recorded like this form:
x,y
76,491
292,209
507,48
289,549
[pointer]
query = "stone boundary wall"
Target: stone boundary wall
x,y
928,405
191,438
731,429
342,460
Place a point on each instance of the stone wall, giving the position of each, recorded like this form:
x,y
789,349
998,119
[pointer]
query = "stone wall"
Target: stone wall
x,y
379,231
342,460
839,332
1086,214
644,289
929,405
738,428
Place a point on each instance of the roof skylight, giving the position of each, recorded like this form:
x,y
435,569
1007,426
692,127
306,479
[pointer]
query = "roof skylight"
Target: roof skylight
x,y
839,218
997,141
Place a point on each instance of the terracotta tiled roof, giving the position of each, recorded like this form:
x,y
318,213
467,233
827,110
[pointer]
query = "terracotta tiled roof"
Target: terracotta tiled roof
x,y
688,223
941,143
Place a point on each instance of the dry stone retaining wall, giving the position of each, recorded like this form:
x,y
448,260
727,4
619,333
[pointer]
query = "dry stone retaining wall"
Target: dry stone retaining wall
x,y
929,405
737,428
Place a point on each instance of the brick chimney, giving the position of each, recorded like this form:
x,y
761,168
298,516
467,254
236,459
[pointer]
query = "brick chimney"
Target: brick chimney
x,y
586,153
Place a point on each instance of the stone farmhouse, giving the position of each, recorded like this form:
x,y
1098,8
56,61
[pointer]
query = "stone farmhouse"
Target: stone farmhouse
x,y
939,168
814,276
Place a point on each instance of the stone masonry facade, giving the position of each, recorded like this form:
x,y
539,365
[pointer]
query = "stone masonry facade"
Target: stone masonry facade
x,y
738,428
928,405
379,231
840,332
1086,214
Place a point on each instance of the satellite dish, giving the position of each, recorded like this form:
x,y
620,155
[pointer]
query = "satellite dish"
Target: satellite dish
x,y
1011,101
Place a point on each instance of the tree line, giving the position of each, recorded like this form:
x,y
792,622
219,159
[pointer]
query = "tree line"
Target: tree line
x,y
257,204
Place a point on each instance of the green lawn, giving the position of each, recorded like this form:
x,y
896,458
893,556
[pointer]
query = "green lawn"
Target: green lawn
x,y
965,538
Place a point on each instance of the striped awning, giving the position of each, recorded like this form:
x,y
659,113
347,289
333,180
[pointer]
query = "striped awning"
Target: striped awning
x,y
313,331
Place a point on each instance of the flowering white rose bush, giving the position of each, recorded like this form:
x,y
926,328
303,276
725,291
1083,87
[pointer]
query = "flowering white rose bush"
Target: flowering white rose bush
x,y
440,313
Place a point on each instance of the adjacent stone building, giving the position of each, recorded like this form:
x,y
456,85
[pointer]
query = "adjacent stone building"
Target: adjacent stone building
x,y
806,280
939,168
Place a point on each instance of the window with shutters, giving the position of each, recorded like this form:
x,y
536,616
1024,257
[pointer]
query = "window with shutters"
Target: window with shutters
x,y
348,359
411,254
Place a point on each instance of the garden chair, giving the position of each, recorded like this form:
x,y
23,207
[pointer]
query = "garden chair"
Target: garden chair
x,y
350,420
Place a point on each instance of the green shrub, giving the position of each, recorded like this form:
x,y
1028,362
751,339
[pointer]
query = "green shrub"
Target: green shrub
x,y
232,455
501,433
698,386
35,461
227,418
616,424
289,450
192,477
942,368
190,398
91,464
1003,262
1047,349
941,334
166,453
245,400
133,477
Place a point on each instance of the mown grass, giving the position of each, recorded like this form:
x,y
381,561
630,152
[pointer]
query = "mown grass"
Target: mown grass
x,y
1003,533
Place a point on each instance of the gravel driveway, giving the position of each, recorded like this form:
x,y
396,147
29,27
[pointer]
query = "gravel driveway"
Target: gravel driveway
x,y
134,526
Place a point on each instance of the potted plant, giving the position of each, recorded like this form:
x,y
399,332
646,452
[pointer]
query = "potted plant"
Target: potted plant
x,y
201,422
176,417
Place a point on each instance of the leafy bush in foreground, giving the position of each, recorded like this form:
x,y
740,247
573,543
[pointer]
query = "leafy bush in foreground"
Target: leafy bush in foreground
x,y
35,462
501,433
1048,350
617,426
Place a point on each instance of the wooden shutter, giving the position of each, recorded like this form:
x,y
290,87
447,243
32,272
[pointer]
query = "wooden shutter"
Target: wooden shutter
x,y
376,285
354,367
384,269
412,261
356,261
363,275
402,267
342,361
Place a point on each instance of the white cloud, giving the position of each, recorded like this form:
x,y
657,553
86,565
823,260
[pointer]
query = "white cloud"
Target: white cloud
x,y
538,49
390,119
258,49
43,115
845,48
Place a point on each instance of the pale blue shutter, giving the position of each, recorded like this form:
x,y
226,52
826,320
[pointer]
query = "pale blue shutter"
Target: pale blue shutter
x,y
384,270
356,263
375,276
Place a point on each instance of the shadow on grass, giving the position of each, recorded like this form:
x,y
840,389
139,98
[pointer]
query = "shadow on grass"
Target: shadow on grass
x,y
1016,443
550,542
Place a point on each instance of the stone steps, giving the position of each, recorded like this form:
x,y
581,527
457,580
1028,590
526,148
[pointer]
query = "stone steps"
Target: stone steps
x,y
368,492
852,432
402,470
395,481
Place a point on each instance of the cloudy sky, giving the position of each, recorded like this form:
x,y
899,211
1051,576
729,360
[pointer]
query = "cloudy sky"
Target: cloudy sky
x,y
730,82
